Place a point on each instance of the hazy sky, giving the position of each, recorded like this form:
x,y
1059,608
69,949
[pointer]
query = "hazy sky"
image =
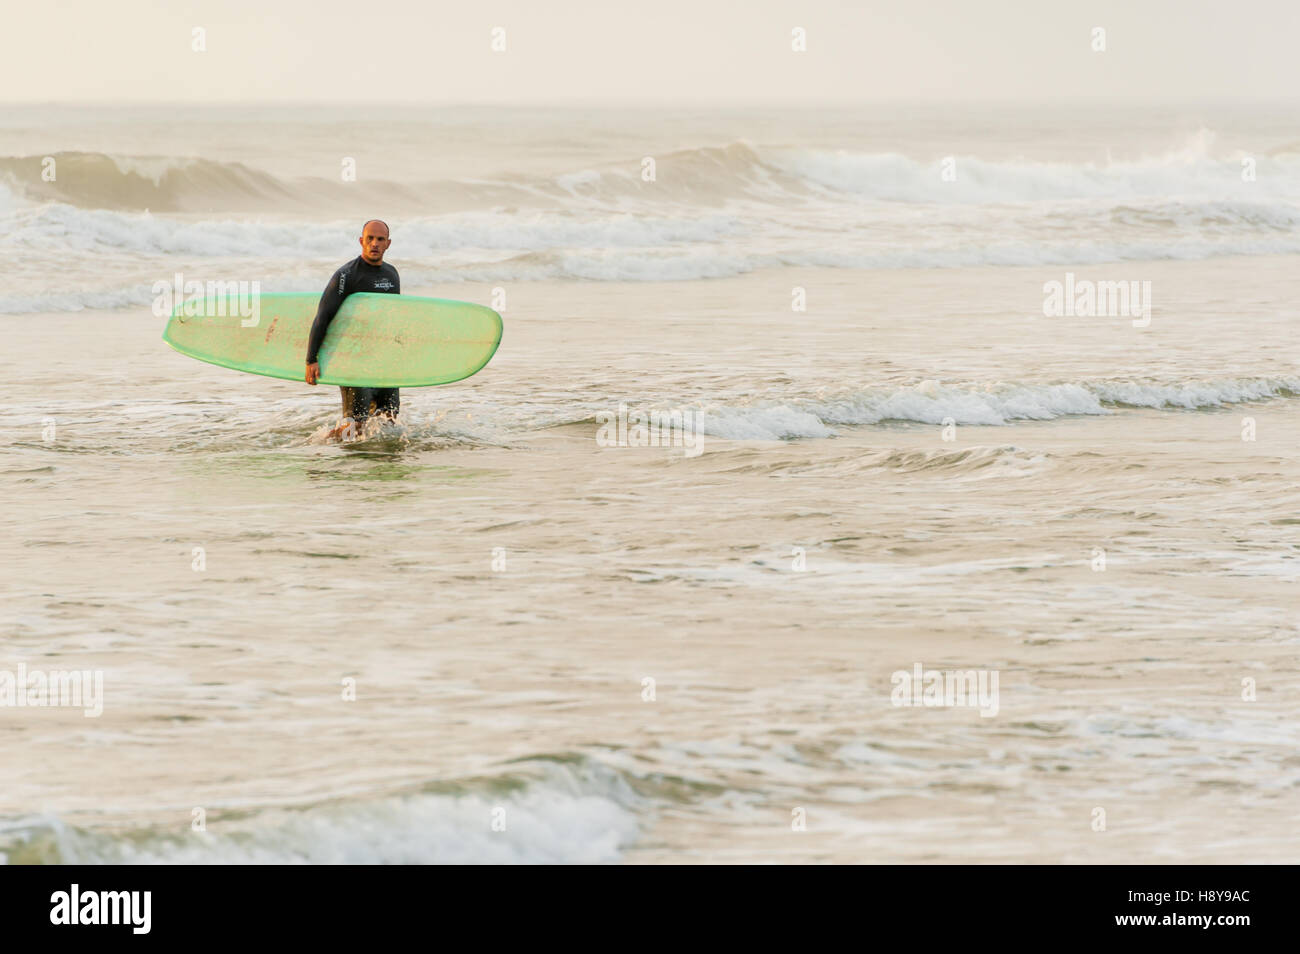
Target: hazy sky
x,y
649,51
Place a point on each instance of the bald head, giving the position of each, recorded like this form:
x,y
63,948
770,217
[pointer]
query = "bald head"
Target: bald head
x,y
374,241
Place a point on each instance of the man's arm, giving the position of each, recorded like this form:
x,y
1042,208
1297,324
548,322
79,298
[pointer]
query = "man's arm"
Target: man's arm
x,y
330,301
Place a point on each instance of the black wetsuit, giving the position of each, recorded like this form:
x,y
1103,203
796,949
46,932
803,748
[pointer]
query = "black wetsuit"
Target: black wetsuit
x,y
357,275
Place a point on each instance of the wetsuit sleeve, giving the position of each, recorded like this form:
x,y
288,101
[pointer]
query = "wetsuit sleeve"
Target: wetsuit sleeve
x,y
330,301
397,280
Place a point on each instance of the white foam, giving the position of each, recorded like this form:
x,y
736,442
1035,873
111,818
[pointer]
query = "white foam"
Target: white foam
x,y
765,423
896,178
549,822
60,227
1195,394
572,181
933,402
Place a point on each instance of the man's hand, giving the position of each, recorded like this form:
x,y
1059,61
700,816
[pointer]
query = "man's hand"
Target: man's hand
x,y
313,373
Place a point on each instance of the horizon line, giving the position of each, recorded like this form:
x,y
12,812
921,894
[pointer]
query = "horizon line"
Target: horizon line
x,y
665,104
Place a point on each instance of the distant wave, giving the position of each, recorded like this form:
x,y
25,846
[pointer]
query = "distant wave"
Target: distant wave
x,y
708,175
163,184
700,177
965,179
711,212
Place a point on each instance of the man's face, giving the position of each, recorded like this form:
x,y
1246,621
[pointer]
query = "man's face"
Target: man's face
x,y
374,243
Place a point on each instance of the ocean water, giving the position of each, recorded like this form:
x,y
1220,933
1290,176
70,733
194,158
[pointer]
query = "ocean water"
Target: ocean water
x,y
479,634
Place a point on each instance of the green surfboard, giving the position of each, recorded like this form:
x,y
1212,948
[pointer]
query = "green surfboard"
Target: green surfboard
x,y
388,341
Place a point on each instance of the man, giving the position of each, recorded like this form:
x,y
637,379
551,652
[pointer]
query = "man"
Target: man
x,y
368,272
